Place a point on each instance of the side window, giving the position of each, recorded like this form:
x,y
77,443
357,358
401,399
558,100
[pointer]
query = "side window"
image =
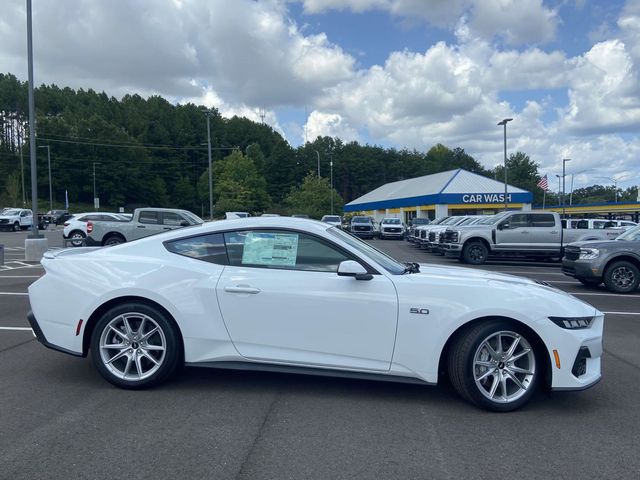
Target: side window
x,y
282,249
582,224
543,220
599,224
208,248
23,213
148,216
172,218
519,220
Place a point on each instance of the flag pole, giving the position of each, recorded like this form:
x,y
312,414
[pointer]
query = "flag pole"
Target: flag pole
x,y
544,197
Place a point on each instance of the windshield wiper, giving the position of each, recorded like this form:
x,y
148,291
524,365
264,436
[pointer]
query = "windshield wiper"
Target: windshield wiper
x,y
411,267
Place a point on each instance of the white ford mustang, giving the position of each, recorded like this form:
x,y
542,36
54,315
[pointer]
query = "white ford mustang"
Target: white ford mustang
x,y
297,295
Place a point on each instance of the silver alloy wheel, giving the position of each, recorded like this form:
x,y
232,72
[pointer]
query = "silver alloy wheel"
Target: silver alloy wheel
x,y
132,346
623,277
504,366
77,239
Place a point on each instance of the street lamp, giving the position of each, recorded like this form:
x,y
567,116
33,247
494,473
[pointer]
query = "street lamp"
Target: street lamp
x,y
331,192
504,124
95,197
318,154
208,114
32,127
559,177
49,164
564,162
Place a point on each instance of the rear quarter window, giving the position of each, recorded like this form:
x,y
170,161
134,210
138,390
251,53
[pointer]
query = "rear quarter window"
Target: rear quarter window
x,y
208,248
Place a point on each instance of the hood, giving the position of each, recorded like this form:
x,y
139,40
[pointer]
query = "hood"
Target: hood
x,y
473,274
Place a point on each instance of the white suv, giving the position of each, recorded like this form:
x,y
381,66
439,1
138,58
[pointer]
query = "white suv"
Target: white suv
x,y
16,219
75,228
391,228
334,220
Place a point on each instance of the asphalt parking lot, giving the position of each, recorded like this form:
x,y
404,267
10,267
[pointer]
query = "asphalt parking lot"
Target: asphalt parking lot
x,y
61,420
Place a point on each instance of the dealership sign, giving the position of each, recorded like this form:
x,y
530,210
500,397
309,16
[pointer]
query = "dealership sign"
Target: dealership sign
x,y
485,198
443,199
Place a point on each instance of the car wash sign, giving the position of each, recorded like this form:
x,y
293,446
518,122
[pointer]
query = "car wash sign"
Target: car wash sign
x,y
484,198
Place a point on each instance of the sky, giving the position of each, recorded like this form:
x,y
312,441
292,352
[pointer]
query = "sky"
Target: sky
x,y
396,73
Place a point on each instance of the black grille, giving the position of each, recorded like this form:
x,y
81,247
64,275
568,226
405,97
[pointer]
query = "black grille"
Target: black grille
x,y
580,365
4,220
449,237
432,236
572,253
423,234
392,230
361,228
569,271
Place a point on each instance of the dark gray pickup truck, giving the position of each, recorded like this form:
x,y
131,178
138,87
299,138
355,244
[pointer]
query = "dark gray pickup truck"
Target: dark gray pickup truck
x,y
614,262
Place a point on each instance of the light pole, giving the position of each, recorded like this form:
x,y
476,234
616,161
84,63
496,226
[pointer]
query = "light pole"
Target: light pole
x,y
32,129
504,124
564,162
615,186
208,114
318,154
571,189
49,165
331,192
559,177
95,197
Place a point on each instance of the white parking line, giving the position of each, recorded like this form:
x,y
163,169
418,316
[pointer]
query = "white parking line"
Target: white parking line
x,y
518,272
17,328
19,276
604,295
19,294
621,313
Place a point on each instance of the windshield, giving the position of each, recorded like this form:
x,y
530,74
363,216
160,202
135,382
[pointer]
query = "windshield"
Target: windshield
x,y
388,263
193,217
392,221
631,235
12,212
361,220
469,221
331,218
492,220
420,221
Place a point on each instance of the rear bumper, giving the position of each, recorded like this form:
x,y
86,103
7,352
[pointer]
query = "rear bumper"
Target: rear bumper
x,y
37,331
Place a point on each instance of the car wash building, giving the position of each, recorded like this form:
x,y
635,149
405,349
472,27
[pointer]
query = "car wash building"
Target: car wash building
x,y
454,192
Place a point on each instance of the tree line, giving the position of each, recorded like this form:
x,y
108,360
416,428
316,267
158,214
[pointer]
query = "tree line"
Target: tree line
x,y
152,152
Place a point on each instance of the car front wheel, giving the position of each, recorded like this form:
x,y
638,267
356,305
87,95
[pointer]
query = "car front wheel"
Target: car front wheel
x,y
135,346
622,277
493,365
16,227
475,253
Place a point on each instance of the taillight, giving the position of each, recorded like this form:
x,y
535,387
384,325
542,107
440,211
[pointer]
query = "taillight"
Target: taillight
x,y
66,224
89,227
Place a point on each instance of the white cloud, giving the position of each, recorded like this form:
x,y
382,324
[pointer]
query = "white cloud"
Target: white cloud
x,y
320,124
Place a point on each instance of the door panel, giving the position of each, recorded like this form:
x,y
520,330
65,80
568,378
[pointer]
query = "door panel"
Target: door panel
x,y
545,234
308,317
516,235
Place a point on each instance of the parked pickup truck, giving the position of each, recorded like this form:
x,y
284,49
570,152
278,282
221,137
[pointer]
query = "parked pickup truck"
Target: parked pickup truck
x,y
533,234
614,262
145,222
16,219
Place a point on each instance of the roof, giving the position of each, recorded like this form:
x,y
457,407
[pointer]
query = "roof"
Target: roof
x,y
452,186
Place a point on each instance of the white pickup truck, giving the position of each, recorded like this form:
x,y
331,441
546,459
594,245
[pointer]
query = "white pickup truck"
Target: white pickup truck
x,y
533,234
145,222
16,219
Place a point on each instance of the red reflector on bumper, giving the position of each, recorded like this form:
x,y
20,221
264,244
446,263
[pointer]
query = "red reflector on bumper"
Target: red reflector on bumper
x,y
79,327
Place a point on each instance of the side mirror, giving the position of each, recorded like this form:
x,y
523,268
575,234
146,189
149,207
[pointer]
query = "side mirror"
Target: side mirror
x,y
184,223
503,226
350,268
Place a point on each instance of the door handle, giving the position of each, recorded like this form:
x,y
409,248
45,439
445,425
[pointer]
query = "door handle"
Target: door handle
x,y
141,226
242,289
524,231
553,232
166,228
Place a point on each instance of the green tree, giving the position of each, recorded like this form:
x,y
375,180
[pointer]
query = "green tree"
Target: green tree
x,y
313,197
237,185
12,189
522,172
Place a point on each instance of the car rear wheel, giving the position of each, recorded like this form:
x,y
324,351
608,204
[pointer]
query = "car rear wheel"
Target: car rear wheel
x,y
77,238
622,277
475,253
112,240
135,346
493,365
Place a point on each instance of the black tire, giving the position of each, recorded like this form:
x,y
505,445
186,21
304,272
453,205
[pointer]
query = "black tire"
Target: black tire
x,y
168,336
462,371
475,253
590,282
113,239
621,277
16,227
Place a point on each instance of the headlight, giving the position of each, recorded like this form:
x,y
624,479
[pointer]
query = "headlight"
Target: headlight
x,y
572,323
589,253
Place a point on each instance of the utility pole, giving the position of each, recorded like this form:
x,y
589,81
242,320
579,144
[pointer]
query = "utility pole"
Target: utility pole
x,y
331,192
49,164
318,154
20,140
504,124
564,162
32,129
95,196
208,114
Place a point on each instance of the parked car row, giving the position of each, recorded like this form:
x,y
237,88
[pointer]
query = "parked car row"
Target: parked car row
x,y
592,256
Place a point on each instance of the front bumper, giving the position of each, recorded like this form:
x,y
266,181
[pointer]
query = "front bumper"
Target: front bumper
x,y
392,234
581,269
453,250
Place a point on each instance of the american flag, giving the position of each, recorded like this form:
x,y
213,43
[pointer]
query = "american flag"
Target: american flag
x,y
543,183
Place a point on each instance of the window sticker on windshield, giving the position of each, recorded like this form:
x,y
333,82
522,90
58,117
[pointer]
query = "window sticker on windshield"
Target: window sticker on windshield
x,y
273,249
